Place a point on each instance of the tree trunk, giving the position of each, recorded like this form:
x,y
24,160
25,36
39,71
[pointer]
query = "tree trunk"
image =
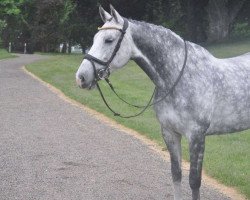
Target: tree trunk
x,y
69,47
43,48
191,25
47,48
221,14
64,47
196,15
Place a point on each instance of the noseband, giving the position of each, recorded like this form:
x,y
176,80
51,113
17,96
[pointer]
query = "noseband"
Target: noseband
x,y
101,74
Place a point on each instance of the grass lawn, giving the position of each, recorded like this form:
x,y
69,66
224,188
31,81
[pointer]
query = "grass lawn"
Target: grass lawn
x,y
4,54
229,49
227,157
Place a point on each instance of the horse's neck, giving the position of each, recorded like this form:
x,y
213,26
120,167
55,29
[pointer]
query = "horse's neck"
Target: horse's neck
x,y
161,53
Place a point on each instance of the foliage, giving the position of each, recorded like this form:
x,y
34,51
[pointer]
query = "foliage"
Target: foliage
x,y
40,23
221,16
2,25
44,24
51,23
241,30
8,8
82,30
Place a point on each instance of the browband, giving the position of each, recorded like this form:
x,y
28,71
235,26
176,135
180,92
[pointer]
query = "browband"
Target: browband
x,y
123,29
109,27
106,63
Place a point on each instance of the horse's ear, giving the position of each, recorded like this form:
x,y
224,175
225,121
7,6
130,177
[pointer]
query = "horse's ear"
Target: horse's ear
x,y
118,18
104,15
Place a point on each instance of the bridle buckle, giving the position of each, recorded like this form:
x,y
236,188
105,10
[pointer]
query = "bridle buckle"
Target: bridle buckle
x,y
103,74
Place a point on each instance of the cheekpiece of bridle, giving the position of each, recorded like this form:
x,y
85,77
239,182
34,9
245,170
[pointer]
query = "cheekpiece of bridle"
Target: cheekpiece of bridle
x,y
101,74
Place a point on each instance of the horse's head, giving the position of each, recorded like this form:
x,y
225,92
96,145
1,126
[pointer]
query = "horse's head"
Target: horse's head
x,y
106,54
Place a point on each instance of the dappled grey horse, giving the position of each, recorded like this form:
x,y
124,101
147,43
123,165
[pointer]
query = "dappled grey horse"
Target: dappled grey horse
x,y
212,96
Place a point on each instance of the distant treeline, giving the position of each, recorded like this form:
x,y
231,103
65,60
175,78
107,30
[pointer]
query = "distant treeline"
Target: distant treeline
x,y
44,24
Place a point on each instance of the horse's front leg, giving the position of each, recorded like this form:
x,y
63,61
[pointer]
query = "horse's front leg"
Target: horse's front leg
x,y
173,142
196,148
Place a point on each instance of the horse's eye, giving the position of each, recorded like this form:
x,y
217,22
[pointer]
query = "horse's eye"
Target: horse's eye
x,y
109,40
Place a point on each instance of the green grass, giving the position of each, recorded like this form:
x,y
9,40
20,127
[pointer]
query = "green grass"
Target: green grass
x,y
229,49
227,157
4,54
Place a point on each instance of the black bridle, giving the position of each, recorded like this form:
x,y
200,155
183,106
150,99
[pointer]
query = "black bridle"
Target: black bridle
x,y
103,74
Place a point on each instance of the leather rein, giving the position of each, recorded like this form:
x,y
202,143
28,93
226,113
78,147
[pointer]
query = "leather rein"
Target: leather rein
x,y
103,74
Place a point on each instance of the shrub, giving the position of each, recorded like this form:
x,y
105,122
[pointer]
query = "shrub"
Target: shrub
x,y
241,30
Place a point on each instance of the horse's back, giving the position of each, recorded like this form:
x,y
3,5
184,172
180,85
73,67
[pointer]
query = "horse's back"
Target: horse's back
x,y
241,61
231,110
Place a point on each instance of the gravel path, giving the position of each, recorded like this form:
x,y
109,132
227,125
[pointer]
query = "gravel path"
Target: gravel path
x,y
50,149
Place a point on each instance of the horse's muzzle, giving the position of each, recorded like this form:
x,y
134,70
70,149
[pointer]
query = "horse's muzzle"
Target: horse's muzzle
x,y
80,81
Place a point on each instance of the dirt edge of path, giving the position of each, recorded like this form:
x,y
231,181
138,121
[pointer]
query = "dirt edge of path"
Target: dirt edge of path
x,y
228,191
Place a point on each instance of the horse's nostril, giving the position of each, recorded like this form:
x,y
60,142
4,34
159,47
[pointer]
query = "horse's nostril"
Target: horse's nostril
x,y
80,80
81,77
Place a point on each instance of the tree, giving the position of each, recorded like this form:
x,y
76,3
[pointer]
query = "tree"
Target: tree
x,y
50,24
195,18
67,24
44,24
221,15
9,9
85,20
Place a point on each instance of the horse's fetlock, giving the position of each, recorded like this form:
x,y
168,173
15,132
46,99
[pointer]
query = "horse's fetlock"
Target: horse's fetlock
x,y
194,183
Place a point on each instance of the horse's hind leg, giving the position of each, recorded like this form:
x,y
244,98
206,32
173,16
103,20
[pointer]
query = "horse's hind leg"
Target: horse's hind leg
x,y
173,142
196,148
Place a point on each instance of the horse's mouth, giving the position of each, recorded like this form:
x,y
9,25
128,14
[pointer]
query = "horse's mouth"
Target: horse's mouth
x,y
87,87
92,86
